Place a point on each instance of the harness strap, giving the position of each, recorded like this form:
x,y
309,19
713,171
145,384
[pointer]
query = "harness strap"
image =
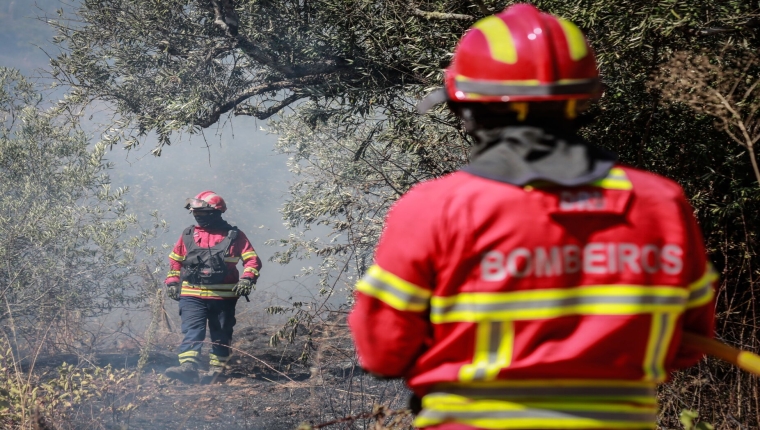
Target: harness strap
x,y
187,238
207,261
188,234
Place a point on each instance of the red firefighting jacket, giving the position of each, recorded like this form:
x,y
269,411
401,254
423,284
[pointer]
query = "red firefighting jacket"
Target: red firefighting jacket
x,y
535,307
240,248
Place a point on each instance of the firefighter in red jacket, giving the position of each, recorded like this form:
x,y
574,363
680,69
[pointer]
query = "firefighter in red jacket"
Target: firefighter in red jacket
x,y
204,279
543,286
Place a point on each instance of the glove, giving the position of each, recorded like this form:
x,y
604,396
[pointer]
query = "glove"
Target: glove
x,y
173,290
243,287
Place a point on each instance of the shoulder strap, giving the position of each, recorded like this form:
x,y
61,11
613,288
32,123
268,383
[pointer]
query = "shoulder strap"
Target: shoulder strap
x,y
187,238
231,236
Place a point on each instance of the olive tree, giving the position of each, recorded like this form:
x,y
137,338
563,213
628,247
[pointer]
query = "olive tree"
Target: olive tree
x,y
68,245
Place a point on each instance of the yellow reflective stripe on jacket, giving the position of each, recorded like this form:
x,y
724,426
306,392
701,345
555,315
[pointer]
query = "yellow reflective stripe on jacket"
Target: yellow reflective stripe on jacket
x,y
493,351
504,414
553,303
215,290
209,286
231,259
251,270
176,257
660,333
248,255
701,291
393,291
172,273
616,179
641,392
207,293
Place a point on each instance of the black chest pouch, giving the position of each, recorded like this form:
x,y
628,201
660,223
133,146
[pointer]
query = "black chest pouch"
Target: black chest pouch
x,y
205,266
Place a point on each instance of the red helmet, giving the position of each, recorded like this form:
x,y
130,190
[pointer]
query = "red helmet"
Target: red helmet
x,y
206,200
520,55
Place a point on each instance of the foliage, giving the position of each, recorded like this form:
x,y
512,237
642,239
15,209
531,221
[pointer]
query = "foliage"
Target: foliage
x,y
178,66
66,251
23,394
353,176
687,418
724,87
351,71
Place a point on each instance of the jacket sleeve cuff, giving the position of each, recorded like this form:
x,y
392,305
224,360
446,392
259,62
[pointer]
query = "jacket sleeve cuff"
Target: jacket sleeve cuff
x,y
250,273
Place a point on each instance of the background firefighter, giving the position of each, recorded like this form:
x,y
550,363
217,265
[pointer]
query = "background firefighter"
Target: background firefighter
x,y
544,285
203,277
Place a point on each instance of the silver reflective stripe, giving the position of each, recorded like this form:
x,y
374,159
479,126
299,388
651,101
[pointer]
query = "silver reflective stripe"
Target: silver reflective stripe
x,y
558,303
437,415
480,374
555,391
493,351
209,287
494,342
701,292
390,289
655,368
495,89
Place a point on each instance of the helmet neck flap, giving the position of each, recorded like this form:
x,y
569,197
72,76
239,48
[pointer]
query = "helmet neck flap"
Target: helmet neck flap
x,y
520,155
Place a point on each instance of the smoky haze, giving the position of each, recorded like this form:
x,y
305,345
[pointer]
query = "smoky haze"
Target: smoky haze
x,y
288,368
237,160
285,368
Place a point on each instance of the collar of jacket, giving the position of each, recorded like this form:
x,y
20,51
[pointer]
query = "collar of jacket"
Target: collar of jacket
x,y
525,154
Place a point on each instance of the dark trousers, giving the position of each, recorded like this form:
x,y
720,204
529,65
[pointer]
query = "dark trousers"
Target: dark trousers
x,y
220,316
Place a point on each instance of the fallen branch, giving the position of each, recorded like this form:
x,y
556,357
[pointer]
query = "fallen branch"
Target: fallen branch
x,y
240,351
442,15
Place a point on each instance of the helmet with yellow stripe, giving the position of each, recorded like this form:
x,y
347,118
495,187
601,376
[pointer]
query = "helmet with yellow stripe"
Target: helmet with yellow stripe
x,y
521,55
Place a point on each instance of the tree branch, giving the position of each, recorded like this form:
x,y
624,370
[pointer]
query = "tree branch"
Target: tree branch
x,y
233,102
271,110
745,133
752,23
227,20
442,16
225,16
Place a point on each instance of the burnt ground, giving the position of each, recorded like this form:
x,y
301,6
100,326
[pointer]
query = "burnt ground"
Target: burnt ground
x,y
265,387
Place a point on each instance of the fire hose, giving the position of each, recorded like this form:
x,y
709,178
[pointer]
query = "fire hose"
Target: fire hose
x,y
744,360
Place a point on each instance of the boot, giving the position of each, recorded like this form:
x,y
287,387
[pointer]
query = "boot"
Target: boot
x,y
215,374
186,372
